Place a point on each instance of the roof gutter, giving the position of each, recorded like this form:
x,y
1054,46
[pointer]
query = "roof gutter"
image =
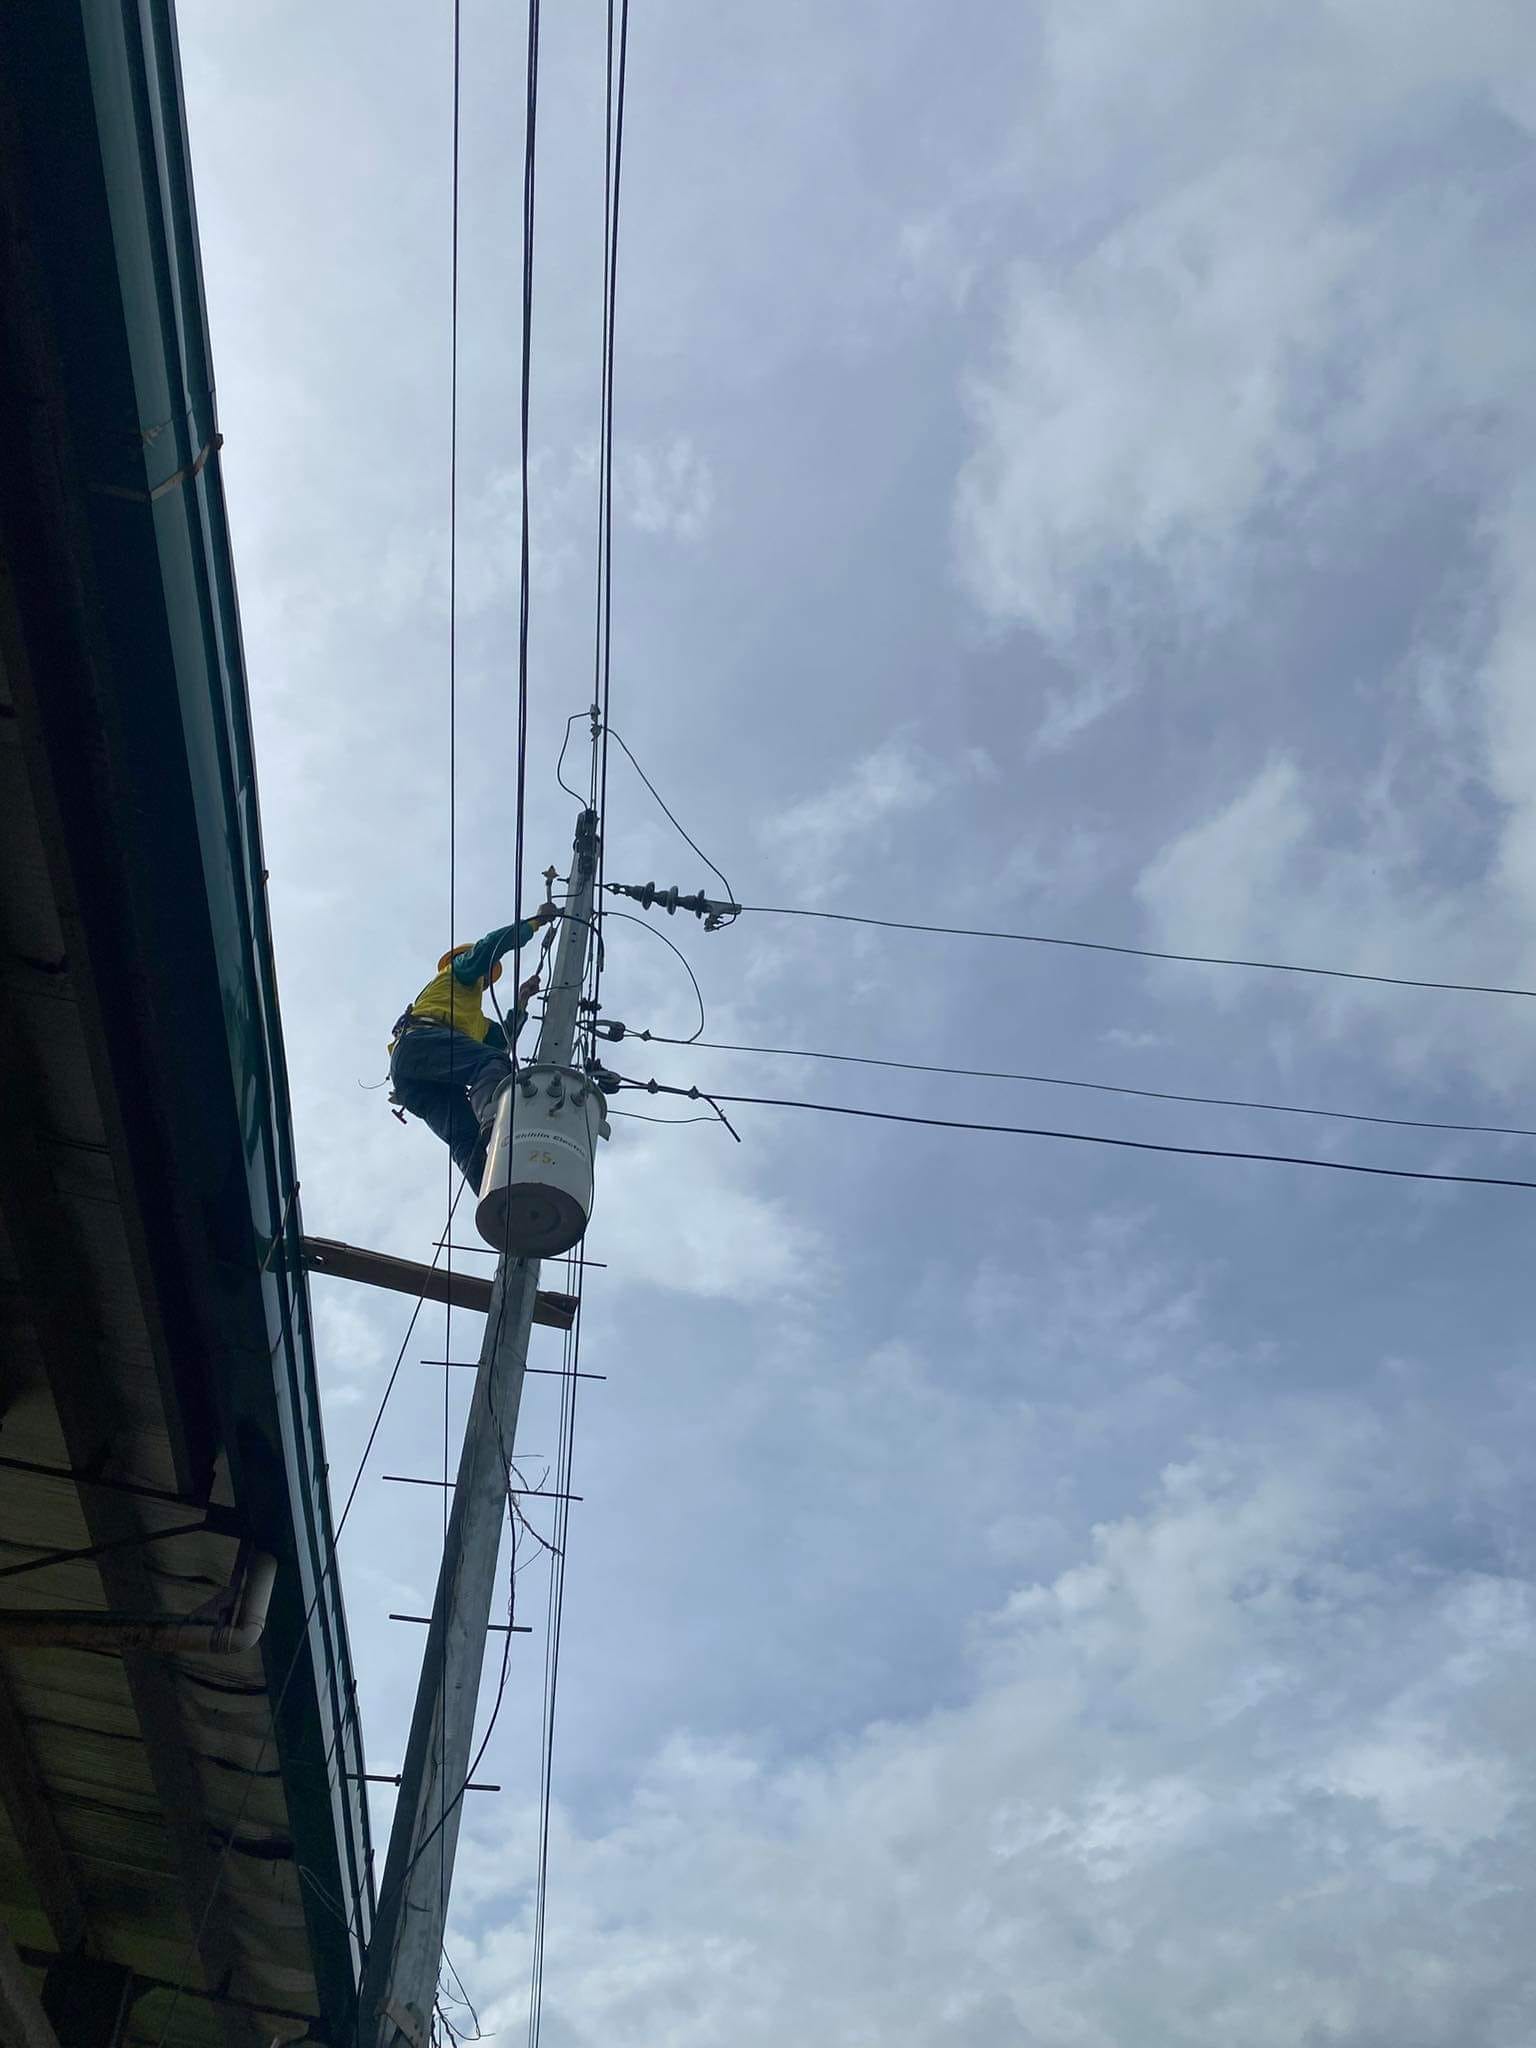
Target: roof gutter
x,y
227,1625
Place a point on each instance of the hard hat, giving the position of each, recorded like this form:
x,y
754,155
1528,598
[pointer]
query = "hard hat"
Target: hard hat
x,y
442,965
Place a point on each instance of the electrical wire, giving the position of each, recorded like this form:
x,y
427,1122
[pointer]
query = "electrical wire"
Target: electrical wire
x,y
524,605
439,1828
795,1052
944,1123
703,856
462,1997
629,917
448,1806
601,700
560,763
530,161
672,1122
453,836
559,1548
894,924
602,687
501,1691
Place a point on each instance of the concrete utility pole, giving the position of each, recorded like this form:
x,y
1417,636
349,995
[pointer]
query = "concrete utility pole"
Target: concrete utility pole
x,y
399,1987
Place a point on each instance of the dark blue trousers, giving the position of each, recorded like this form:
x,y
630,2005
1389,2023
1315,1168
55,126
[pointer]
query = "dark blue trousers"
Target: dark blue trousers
x,y
434,1070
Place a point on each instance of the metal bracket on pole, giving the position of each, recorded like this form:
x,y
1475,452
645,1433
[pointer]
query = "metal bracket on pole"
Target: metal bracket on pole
x,y
406,2022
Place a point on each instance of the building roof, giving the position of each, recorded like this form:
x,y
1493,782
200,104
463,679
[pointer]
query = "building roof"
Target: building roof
x,y
195,1816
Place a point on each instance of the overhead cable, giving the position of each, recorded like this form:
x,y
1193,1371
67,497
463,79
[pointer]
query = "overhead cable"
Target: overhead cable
x,y
950,931
558,1548
944,1123
453,836
1353,1116
628,917
672,820
450,1805
602,653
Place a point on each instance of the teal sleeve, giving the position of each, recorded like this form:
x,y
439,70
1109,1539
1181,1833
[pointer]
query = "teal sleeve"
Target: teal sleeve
x,y
475,964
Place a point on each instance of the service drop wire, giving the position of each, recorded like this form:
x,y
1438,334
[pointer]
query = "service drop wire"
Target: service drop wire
x,y
945,1123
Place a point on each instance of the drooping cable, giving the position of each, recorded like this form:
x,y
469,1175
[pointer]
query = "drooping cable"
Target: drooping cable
x,y
628,917
944,1123
560,762
672,820
1353,1116
948,931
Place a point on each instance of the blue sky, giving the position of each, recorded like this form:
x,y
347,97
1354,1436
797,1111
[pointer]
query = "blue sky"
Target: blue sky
x,y
1072,474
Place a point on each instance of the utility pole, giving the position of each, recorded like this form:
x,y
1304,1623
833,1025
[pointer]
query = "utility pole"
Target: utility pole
x,y
399,1989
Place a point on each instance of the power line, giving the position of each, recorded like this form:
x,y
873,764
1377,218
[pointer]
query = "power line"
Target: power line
x,y
449,1806
602,654
628,917
671,819
670,1122
558,1549
894,924
438,1830
794,1052
601,700
943,1123
453,792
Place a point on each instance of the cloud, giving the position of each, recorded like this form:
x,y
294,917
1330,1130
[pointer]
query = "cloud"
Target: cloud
x,y
1216,1756
666,490
1288,870
973,1637
725,1238
1070,713
1150,395
897,779
1278,261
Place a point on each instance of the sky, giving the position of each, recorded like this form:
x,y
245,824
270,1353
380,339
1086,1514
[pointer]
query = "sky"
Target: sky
x,y
1073,474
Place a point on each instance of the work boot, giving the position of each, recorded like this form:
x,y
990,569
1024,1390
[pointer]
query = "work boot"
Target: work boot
x,y
482,1097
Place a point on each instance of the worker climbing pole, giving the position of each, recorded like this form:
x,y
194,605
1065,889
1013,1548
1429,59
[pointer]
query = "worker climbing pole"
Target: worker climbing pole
x,y
537,1195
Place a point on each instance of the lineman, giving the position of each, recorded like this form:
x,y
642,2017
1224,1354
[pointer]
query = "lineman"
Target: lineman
x,y
447,1058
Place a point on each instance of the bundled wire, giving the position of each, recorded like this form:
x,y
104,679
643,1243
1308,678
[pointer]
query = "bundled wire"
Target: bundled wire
x,y
602,652
948,1123
554,1615
955,931
856,1059
672,820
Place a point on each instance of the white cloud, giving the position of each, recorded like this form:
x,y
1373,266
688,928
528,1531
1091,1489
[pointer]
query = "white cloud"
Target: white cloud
x,y
1213,1758
721,1238
666,490
1217,882
894,781
1279,249
1289,870
1150,395
1069,713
